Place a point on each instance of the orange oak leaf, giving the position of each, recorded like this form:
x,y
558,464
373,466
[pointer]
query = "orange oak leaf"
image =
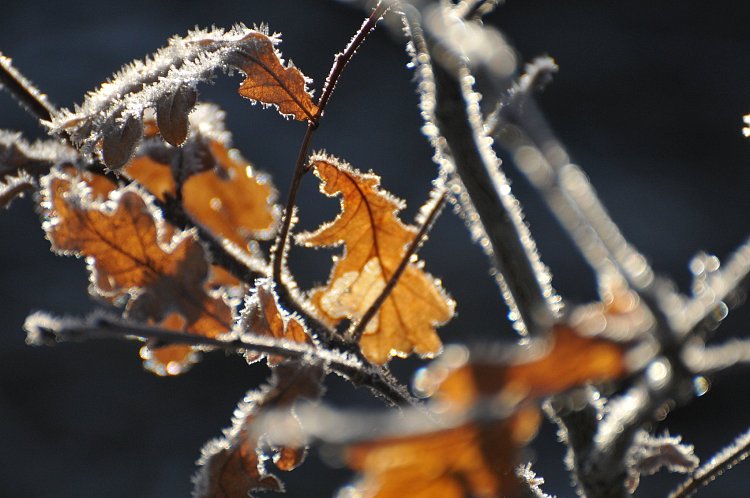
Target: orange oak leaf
x,y
269,82
472,460
234,466
549,366
232,199
135,259
376,241
478,458
263,317
221,190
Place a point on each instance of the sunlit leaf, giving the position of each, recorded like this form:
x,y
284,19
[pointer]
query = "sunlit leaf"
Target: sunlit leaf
x,y
263,317
134,259
268,81
221,191
375,243
478,458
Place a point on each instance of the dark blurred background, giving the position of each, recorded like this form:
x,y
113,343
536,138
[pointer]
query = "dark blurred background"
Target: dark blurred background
x,y
649,100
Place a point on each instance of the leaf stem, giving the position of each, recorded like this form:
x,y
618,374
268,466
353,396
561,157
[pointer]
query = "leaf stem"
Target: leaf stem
x,y
358,329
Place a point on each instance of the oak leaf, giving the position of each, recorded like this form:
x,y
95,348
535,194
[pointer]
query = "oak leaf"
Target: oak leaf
x,y
268,81
472,460
477,458
135,259
263,317
221,190
234,466
376,241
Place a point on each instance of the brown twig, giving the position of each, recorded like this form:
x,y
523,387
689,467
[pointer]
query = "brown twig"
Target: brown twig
x,y
300,168
44,329
24,91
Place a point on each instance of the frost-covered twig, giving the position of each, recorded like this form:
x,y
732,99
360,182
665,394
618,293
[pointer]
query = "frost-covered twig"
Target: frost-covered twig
x,y
733,276
45,329
522,130
717,465
450,108
709,359
24,91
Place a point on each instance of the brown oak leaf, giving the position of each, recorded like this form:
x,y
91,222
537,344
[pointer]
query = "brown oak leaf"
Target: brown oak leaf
x,y
234,466
563,360
221,190
135,259
472,460
376,241
270,82
263,317
477,459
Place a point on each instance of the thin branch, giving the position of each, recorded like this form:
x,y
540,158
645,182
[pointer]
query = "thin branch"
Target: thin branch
x,y
343,58
281,246
300,167
44,329
24,91
710,359
726,459
520,128
732,277
359,328
486,193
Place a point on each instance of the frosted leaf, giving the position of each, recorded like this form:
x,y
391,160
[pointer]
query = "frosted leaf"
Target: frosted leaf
x,y
167,81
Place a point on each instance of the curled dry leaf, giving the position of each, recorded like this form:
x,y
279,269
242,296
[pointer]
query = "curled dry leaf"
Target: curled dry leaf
x,y
135,258
172,114
263,317
376,241
234,466
478,458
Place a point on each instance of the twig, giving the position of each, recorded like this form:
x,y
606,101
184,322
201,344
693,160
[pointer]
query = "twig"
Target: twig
x,y
343,58
709,359
356,333
24,91
732,277
44,329
487,192
717,465
300,168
